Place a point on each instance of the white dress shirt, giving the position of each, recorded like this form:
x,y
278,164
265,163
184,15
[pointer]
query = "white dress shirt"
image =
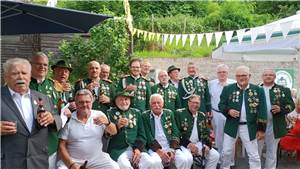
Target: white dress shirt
x,y
159,132
243,116
194,136
24,105
268,101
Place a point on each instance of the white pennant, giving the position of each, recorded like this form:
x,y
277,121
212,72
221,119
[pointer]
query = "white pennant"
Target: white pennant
x,y
165,38
138,33
269,31
218,36
157,36
254,33
199,38
171,38
208,38
240,34
177,38
134,31
150,35
285,28
184,37
192,37
228,36
145,35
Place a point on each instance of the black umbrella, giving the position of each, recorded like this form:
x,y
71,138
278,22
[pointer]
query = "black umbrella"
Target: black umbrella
x,y
22,18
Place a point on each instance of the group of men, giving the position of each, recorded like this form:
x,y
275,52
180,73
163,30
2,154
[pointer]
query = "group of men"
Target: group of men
x,y
136,123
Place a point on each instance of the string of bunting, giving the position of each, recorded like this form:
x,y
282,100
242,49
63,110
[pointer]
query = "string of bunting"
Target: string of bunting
x,y
267,30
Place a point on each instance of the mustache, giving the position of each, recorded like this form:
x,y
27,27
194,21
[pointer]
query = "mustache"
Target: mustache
x,y
20,82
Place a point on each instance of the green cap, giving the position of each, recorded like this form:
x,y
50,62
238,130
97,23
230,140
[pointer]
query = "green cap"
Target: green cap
x,y
173,67
124,93
62,64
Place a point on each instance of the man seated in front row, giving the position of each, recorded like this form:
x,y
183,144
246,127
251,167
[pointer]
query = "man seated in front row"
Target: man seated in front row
x,y
163,135
81,138
127,146
192,125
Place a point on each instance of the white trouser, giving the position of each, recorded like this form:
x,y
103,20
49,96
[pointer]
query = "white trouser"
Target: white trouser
x,y
147,161
52,161
102,161
218,124
212,158
271,147
251,148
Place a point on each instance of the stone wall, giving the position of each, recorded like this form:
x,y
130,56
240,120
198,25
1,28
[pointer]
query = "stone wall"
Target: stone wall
x,y
207,67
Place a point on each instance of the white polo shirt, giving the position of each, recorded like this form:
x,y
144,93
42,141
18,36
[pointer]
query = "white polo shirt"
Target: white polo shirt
x,y
159,132
84,140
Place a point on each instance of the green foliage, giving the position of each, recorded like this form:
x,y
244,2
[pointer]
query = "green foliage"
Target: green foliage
x,y
108,43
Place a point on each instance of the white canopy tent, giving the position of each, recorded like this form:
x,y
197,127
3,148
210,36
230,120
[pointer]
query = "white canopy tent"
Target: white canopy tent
x,y
276,41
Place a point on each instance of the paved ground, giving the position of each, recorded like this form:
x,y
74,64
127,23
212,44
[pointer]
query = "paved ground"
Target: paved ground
x,y
284,162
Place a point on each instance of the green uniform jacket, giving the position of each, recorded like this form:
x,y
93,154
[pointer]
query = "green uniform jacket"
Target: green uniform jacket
x,y
185,123
169,126
255,105
170,96
281,96
106,88
47,88
188,86
141,95
132,135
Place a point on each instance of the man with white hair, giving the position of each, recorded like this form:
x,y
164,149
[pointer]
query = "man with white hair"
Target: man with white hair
x,y
81,138
168,91
279,104
244,106
163,135
24,131
215,88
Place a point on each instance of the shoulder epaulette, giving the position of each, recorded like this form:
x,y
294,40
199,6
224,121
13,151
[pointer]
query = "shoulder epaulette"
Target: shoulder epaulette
x,y
50,79
146,112
204,77
203,114
79,80
180,110
125,76
146,78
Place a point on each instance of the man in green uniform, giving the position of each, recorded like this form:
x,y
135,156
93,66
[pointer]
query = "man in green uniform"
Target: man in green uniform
x,y
127,146
168,91
193,127
174,74
193,84
145,71
136,85
244,106
102,90
279,103
163,135
42,84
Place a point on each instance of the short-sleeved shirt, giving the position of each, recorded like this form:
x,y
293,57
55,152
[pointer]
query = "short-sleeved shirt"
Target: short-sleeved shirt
x,y
84,140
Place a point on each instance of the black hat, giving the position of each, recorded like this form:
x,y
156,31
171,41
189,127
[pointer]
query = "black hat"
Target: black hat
x,y
62,64
172,67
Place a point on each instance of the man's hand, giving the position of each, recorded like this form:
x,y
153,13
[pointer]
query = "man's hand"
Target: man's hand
x,y
122,122
100,120
206,150
8,128
136,156
131,88
67,112
260,135
193,148
44,119
66,87
104,99
233,113
92,85
164,156
275,109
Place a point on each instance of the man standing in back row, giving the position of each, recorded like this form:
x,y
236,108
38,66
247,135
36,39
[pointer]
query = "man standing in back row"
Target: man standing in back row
x,y
279,103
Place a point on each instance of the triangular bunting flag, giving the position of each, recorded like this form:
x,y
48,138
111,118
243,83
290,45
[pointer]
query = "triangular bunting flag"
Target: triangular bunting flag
x,y
218,36
192,37
240,34
165,38
228,36
145,35
138,33
254,33
199,38
269,31
133,32
157,36
208,38
177,38
184,39
285,28
171,38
